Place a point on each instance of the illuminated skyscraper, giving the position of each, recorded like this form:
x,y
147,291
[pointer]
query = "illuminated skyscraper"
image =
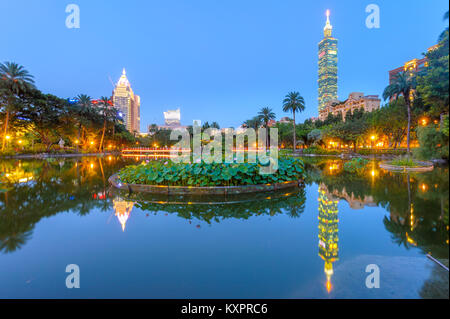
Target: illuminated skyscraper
x,y
127,103
328,232
327,66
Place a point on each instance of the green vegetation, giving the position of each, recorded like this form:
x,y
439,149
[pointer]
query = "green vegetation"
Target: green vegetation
x,y
407,161
356,165
294,102
35,122
204,174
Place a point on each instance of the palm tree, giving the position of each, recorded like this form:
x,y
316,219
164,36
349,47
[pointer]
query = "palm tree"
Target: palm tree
x,y
254,122
15,79
403,84
107,112
294,102
215,125
266,115
83,109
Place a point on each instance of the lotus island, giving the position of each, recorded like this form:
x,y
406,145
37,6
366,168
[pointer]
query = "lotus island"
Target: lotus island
x,y
238,177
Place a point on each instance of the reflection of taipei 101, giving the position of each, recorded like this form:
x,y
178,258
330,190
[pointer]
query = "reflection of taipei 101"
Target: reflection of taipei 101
x,y
328,232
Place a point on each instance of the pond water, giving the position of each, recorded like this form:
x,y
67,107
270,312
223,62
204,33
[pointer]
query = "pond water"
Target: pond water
x,y
312,242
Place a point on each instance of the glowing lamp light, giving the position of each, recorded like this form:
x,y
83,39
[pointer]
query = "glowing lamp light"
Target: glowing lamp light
x,y
424,121
92,143
19,141
372,137
7,137
77,141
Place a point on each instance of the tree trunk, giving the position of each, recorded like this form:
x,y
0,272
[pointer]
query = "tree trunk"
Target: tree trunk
x,y
103,135
408,105
5,131
295,140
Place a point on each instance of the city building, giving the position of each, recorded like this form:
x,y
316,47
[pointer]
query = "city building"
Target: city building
x,y
285,119
328,59
127,103
171,121
355,101
413,66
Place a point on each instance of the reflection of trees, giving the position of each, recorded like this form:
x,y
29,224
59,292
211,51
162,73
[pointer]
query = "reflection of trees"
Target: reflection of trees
x,y
418,202
209,209
57,185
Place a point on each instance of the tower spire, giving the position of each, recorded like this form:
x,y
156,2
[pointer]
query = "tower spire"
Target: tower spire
x,y
328,27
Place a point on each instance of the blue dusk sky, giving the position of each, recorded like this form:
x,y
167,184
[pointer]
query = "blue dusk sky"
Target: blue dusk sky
x,y
215,60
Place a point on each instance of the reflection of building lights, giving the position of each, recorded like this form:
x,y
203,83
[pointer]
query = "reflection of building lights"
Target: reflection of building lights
x,y
328,233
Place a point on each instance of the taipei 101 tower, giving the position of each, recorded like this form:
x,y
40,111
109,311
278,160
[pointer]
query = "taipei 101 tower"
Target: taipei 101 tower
x,y
327,66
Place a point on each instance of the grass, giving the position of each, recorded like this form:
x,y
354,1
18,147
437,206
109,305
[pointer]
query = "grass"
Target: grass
x,y
407,161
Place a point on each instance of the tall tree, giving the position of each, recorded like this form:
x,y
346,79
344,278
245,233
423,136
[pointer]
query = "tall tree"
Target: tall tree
x,y
107,112
403,84
254,123
266,114
14,80
82,112
294,102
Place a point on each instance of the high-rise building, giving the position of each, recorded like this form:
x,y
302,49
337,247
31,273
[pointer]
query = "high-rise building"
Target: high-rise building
x,y
328,232
127,103
327,66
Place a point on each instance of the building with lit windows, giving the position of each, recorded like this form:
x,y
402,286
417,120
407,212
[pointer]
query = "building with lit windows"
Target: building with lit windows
x,y
127,103
327,66
328,232
413,66
355,101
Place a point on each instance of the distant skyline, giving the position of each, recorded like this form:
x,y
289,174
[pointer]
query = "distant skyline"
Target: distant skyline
x,y
216,61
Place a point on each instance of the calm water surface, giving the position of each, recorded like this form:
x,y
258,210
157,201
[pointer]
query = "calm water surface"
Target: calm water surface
x,y
314,242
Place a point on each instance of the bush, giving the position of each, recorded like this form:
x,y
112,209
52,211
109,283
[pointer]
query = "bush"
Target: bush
x,y
215,174
433,143
319,151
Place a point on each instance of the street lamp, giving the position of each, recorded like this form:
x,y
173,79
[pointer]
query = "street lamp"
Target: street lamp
x,y
372,139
